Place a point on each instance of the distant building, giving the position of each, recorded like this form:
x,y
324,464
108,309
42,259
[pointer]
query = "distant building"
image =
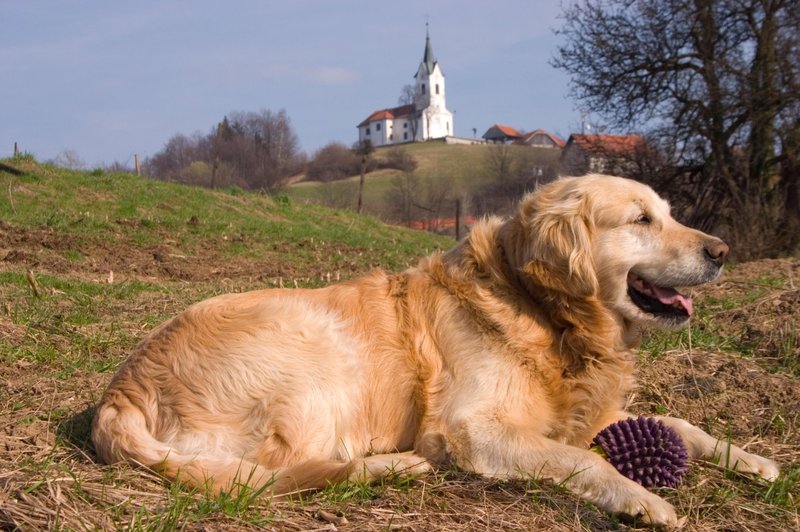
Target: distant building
x,y
426,118
542,139
611,154
498,134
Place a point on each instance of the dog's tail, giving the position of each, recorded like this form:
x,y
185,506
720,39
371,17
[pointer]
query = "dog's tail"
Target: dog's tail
x,y
122,431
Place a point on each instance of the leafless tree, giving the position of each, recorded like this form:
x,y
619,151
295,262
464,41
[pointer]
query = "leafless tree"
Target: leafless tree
x,y
257,150
408,96
715,84
332,162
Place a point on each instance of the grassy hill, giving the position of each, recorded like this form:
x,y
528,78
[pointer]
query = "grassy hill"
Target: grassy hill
x,y
89,262
458,169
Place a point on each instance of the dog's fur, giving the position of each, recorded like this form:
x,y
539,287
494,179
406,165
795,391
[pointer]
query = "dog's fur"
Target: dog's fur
x,y
504,356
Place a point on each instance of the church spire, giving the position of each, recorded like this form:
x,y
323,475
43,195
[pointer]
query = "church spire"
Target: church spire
x,y
427,59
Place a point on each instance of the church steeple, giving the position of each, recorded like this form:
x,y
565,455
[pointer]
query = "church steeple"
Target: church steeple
x,y
427,58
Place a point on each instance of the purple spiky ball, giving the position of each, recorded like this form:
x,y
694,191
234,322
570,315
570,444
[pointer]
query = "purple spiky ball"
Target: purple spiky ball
x,y
645,450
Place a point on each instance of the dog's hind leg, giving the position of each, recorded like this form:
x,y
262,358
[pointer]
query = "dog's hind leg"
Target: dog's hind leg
x,y
375,467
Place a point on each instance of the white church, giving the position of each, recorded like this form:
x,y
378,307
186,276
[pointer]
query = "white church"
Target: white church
x,y
425,118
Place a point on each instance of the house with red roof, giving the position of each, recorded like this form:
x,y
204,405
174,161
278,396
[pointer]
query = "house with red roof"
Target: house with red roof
x,y
539,138
499,134
542,139
426,118
611,154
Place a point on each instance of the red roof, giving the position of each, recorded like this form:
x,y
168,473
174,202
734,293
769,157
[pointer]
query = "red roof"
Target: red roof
x,y
508,131
388,114
558,141
608,144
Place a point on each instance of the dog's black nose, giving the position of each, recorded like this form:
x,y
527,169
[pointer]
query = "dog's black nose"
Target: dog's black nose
x,y
716,250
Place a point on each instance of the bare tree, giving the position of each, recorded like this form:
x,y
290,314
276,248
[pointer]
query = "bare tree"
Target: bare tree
x,y
332,162
499,161
70,160
715,82
255,150
408,96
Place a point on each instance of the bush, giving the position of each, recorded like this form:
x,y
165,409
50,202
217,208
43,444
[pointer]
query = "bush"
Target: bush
x,y
333,162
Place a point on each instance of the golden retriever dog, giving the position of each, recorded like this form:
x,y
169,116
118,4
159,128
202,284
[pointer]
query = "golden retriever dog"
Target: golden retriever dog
x,y
504,357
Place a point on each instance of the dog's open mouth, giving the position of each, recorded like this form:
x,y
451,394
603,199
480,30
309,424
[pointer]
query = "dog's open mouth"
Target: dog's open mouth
x,y
658,300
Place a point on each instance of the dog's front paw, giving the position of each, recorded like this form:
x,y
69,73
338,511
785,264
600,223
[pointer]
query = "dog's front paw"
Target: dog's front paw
x,y
651,509
757,465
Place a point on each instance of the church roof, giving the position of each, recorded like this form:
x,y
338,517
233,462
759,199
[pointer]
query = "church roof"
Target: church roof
x,y
428,60
388,114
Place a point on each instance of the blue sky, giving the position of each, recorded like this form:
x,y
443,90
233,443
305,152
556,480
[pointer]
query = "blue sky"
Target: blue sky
x,y
110,79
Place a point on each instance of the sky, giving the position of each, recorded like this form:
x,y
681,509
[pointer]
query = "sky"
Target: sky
x,y
107,80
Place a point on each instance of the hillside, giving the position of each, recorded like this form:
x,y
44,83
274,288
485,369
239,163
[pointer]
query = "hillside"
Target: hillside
x,y
90,263
458,170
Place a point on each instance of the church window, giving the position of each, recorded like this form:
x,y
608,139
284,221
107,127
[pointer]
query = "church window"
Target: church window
x,y
377,127
405,135
423,88
367,131
437,88
405,125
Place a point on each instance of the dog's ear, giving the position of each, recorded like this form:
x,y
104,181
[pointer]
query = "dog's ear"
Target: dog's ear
x,y
557,231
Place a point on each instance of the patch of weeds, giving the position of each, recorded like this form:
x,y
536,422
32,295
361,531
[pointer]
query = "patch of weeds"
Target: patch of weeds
x,y
172,516
350,492
282,200
783,491
73,255
788,352
243,502
699,335
185,505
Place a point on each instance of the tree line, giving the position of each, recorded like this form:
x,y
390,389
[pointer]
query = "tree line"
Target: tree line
x,y
251,150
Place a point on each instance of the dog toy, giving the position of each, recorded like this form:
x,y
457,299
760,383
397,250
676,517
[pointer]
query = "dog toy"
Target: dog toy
x,y
645,450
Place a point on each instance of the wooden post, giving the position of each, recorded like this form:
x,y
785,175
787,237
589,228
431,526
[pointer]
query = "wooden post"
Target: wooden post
x,y
137,164
16,150
458,220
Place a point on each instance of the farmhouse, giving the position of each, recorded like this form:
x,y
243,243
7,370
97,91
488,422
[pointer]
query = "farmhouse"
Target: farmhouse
x,y
498,134
539,138
425,118
601,153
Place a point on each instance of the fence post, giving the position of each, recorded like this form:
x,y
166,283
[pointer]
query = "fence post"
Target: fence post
x,y
137,164
16,150
458,219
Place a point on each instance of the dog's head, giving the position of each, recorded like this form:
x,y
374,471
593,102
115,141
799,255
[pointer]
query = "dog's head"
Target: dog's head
x,y
613,239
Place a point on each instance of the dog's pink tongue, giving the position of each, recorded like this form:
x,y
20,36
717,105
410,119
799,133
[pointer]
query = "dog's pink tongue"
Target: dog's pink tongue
x,y
671,297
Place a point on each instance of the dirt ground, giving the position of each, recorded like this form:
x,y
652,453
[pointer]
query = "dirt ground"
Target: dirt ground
x,y
49,477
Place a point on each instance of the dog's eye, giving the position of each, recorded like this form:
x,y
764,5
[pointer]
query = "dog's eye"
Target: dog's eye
x,y
643,219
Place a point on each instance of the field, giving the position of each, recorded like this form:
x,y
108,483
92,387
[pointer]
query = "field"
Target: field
x,y
90,262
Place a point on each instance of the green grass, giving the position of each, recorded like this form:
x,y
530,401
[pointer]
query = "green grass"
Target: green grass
x,y
124,209
457,168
